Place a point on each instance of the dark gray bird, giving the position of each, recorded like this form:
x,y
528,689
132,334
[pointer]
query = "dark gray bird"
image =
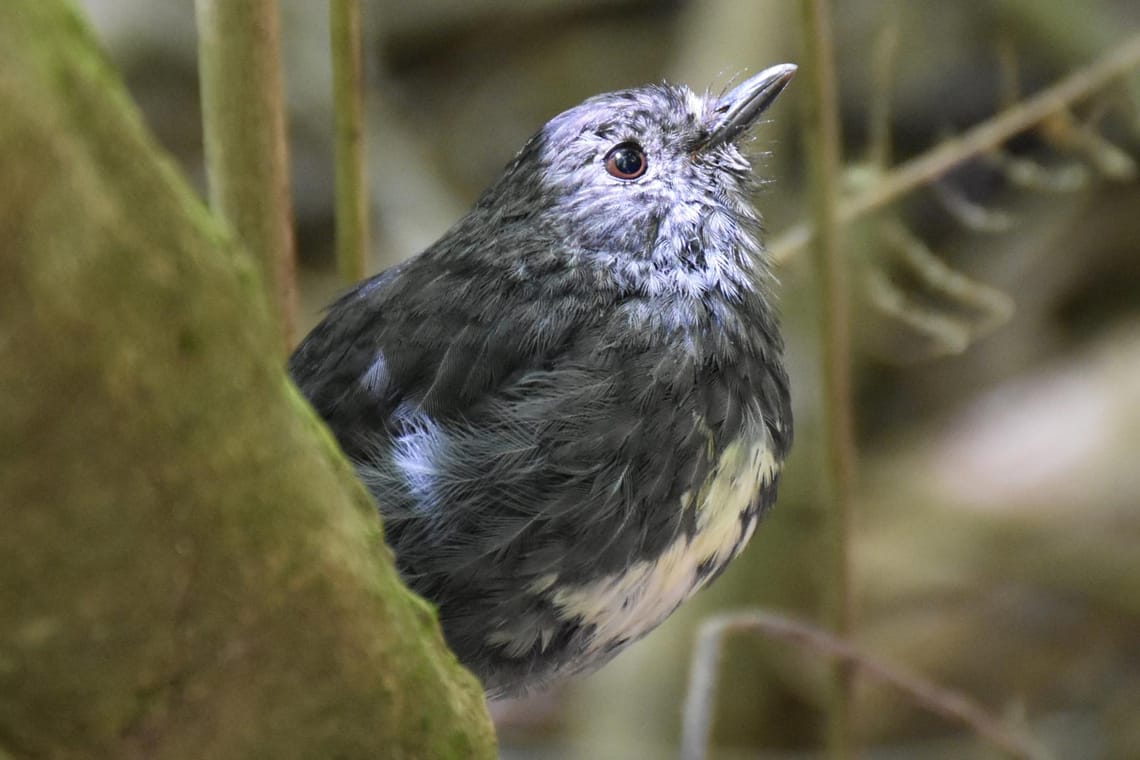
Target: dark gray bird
x,y
571,409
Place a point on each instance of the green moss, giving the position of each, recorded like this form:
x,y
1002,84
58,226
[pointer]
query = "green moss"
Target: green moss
x,y
191,568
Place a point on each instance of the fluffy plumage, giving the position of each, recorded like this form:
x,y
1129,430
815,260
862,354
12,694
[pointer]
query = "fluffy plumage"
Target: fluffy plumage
x,y
571,409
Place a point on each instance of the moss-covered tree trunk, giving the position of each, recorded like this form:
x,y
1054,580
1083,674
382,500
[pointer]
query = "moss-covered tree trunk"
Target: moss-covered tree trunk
x,y
187,567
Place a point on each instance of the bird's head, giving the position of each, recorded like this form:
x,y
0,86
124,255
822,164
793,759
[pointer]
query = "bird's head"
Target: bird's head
x,y
652,178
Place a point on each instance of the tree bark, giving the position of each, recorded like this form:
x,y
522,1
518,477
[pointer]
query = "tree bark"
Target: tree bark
x,y
189,568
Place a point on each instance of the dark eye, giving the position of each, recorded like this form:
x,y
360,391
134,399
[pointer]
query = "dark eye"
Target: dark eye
x,y
626,161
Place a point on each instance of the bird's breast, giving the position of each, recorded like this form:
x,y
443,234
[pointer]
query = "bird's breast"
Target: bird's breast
x,y
625,605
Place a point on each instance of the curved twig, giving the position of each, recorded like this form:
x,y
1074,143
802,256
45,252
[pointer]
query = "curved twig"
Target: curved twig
x,y
949,704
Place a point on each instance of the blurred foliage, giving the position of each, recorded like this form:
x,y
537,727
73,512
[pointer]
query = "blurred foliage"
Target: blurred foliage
x,y
998,493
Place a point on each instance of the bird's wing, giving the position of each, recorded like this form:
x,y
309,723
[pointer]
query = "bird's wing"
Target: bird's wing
x,y
481,415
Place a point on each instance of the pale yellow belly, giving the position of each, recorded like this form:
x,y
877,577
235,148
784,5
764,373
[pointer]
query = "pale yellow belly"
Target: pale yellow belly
x,y
625,606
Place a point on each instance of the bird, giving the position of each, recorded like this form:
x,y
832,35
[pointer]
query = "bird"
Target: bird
x,y
572,408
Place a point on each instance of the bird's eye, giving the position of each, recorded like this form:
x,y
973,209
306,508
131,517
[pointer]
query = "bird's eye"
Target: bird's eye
x,y
626,161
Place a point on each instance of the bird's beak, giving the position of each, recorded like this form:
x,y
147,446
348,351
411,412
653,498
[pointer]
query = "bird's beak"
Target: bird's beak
x,y
739,108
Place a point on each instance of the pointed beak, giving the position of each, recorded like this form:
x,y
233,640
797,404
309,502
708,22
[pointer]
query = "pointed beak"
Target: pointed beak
x,y
739,109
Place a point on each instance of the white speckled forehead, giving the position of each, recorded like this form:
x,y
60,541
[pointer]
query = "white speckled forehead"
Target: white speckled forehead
x,y
698,104
632,113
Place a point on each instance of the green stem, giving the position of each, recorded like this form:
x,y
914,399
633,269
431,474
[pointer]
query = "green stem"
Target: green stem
x,y
243,111
823,144
351,184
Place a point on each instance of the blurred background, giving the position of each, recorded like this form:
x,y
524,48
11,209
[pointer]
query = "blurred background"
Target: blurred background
x,y
997,329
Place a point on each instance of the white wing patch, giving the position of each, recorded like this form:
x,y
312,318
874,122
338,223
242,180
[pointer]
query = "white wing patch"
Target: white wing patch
x,y
628,605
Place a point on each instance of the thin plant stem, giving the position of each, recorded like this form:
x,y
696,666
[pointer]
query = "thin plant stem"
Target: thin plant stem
x,y
348,100
823,145
982,138
884,60
946,703
243,111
